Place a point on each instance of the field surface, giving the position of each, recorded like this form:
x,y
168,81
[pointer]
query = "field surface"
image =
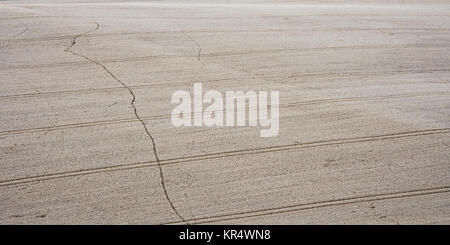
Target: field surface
x,y
85,104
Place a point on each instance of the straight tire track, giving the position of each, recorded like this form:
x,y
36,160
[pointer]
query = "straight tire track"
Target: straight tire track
x,y
218,155
346,74
160,117
319,204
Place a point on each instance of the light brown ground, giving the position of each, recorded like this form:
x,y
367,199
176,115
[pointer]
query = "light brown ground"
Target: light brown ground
x,y
364,116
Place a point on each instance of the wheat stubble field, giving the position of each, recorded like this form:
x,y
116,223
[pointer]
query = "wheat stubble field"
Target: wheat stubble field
x,y
85,103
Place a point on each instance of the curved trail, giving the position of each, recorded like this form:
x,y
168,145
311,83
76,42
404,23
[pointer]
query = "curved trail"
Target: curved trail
x,y
144,125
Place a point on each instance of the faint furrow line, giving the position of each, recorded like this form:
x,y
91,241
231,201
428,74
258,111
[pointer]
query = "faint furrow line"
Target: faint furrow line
x,y
219,54
170,84
225,17
224,154
161,117
133,100
93,90
319,204
114,34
